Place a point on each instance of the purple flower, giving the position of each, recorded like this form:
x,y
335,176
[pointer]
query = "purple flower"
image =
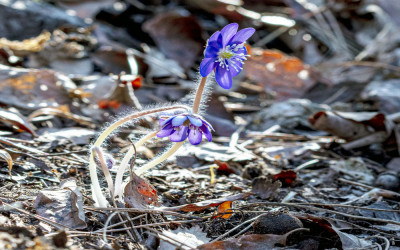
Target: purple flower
x,y
182,126
225,52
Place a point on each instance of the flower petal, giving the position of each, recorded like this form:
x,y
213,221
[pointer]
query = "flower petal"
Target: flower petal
x,y
223,78
167,121
233,65
179,120
161,121
211,50
180,134
195,136
195,121
206,66
228,32
214,37
206,132
165,132
242,36
208,124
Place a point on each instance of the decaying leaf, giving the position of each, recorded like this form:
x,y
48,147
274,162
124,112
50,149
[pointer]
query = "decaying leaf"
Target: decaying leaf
x,y
265,188
17,120
139,193
61,112
22,48
202,205
224,210
287,114
63,205
286,177
349,125
384,93
7,157
356,168
31,89
278,73
211,151
78,136
111,60
224,167
192,238
321,231
177,35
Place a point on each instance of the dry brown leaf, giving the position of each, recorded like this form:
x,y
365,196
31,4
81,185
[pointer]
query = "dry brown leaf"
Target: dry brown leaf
x,y
139,193
15,119
350,125
178,36
61,112
32,89
24,47
278,73
224,210
265,188
286,177
63,205
7,157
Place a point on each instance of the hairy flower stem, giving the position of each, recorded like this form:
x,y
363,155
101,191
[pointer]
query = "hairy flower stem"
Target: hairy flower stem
x,y
97,194
124,163
100,155
160,159
199,93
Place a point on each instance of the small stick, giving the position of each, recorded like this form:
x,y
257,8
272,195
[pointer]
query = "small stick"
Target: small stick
x,y
237,227
326,211
387,243
137,210
168,237
122,222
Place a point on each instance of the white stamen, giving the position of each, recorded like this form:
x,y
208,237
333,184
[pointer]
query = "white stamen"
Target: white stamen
x,y
229,55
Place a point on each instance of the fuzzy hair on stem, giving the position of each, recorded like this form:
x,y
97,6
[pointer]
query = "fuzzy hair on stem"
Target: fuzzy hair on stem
x,y
200,95
97,151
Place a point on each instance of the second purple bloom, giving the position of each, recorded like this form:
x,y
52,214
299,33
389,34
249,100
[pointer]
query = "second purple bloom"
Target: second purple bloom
x,y
180,127
225,52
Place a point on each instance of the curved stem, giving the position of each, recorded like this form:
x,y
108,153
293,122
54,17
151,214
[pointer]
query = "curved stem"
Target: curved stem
x,y
98,195
160,159
100,155
199,93
124,163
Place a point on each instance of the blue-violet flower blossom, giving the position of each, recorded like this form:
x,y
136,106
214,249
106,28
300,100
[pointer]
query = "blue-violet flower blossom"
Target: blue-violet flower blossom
x,y
225,52
182,126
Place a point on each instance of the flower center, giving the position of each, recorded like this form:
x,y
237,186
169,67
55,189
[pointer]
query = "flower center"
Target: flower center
x,y
225,54
230,56
186,123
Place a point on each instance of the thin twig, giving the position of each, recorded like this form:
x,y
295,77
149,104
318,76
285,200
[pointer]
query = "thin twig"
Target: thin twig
x,y
137,210
238,226
325,211
387,242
